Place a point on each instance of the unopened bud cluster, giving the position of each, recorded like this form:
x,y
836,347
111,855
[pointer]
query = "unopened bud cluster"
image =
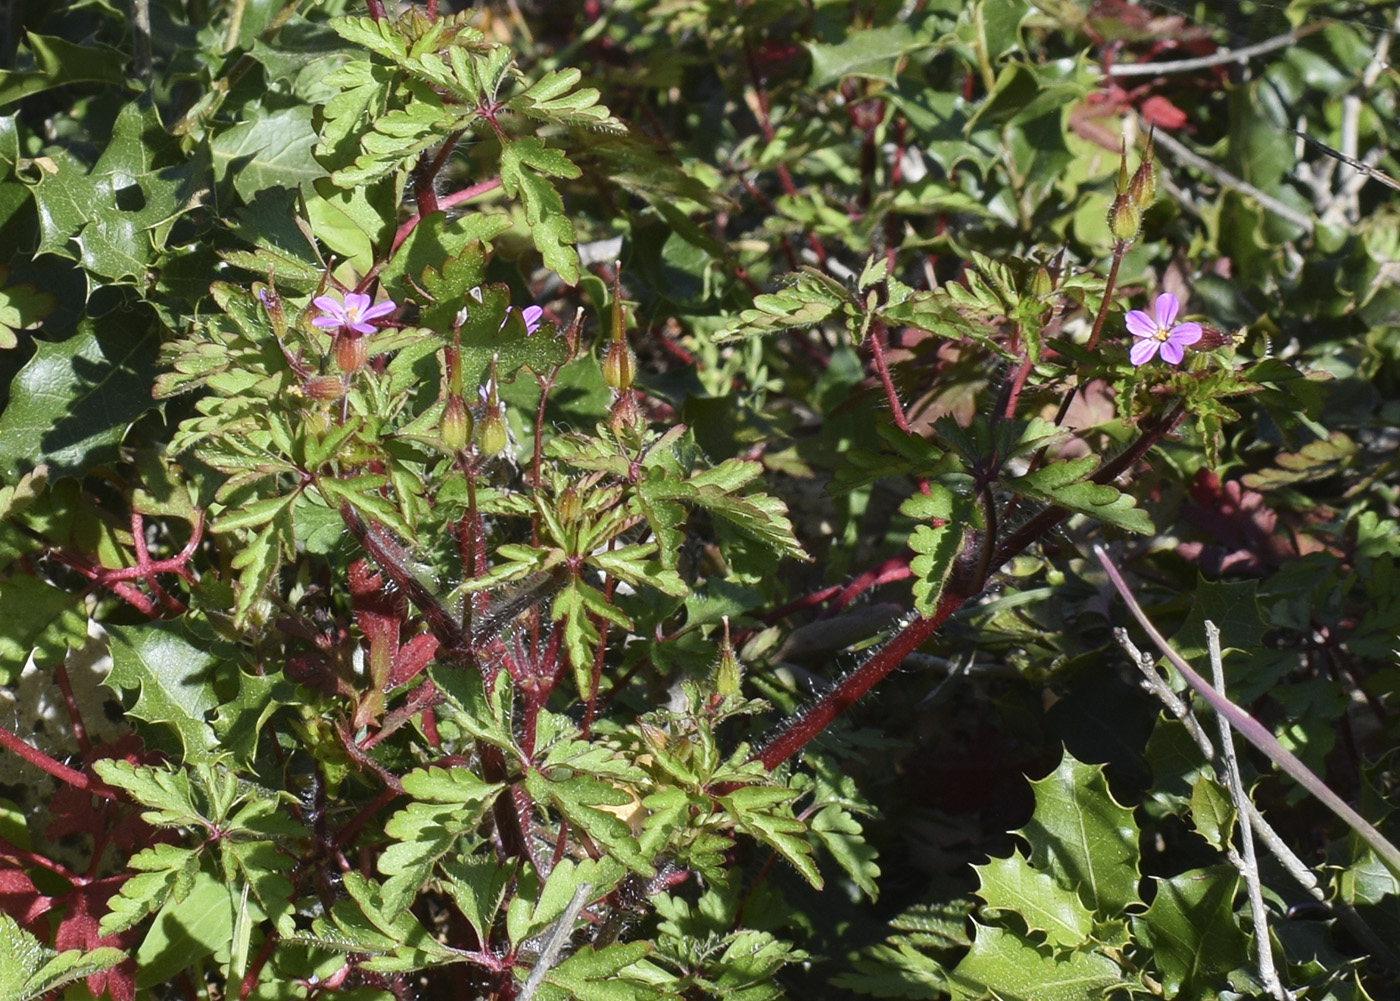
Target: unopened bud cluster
x,y
1135,196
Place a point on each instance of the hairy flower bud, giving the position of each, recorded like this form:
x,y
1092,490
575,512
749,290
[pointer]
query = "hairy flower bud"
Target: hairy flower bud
x,y
350,353
619,365
1124,218
1142,189
625,415
492,435
325,388
456,428
570,506
728,673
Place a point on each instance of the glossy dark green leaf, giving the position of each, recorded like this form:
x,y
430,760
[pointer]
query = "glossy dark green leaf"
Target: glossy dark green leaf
x,y
1193,932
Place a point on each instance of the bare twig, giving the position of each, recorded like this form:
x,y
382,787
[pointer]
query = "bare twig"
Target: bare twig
x,y
554,942
1218,58
1254,732
1153,682
1245,861
1229,180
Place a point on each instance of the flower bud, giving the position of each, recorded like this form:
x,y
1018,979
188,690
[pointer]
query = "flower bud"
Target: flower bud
x,y
569,506
1142,189
326,388
492,435
619,365
1124,218
350,353
728,673
625,414
456,428
1041,284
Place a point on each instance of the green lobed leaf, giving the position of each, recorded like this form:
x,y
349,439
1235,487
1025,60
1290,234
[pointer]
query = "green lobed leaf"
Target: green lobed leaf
x,y
938,544
31,970
765,814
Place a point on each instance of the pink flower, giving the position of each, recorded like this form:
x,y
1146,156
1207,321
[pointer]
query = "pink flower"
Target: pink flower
x,y
352,314
532,316
1159,334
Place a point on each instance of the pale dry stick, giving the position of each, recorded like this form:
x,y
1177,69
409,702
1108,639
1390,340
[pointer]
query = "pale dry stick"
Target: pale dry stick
x,y
1220,58
1152,681
1222,176
1245,860
555,940
1286,856
1255,732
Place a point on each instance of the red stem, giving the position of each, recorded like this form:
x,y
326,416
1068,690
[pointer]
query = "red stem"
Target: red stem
x,y
444,203
63,773
877,351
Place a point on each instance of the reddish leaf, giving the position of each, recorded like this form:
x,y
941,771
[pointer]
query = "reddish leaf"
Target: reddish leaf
x,y
1158,111
21,899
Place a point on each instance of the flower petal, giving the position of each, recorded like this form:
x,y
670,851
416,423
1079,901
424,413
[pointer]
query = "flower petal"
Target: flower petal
x,y
1140,324
1185,333
328,305
1166,309
327,321
1172,352
378,309
1144,350
357,302
531,315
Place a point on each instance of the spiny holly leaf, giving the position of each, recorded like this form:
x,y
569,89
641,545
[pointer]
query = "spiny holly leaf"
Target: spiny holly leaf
x,y
22,307
39,619
1010,884
169,674
63,413
1193,933
266,150
58,63
1083,839
30,969
1006,966
242,719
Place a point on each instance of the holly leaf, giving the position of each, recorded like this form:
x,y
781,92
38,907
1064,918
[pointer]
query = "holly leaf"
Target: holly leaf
x,y
171,677
71,404
1083,839
38,619
1010,884
1193,933
1005,966
22,307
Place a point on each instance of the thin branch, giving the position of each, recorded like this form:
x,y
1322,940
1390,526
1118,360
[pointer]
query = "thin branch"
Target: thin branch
x,y
1254,732
1153,682
1220,57
1246,861
1229,180
555,941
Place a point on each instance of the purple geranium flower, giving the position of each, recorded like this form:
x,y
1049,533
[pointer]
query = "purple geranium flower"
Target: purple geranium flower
x,y
352,314
1159,334
532,316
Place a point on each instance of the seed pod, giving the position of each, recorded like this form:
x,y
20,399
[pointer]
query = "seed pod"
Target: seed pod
x,y
456,428
1142,189
1124,218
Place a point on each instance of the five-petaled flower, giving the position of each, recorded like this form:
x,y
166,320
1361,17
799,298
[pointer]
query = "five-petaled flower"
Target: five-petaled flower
x,y
1160,335
352,314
